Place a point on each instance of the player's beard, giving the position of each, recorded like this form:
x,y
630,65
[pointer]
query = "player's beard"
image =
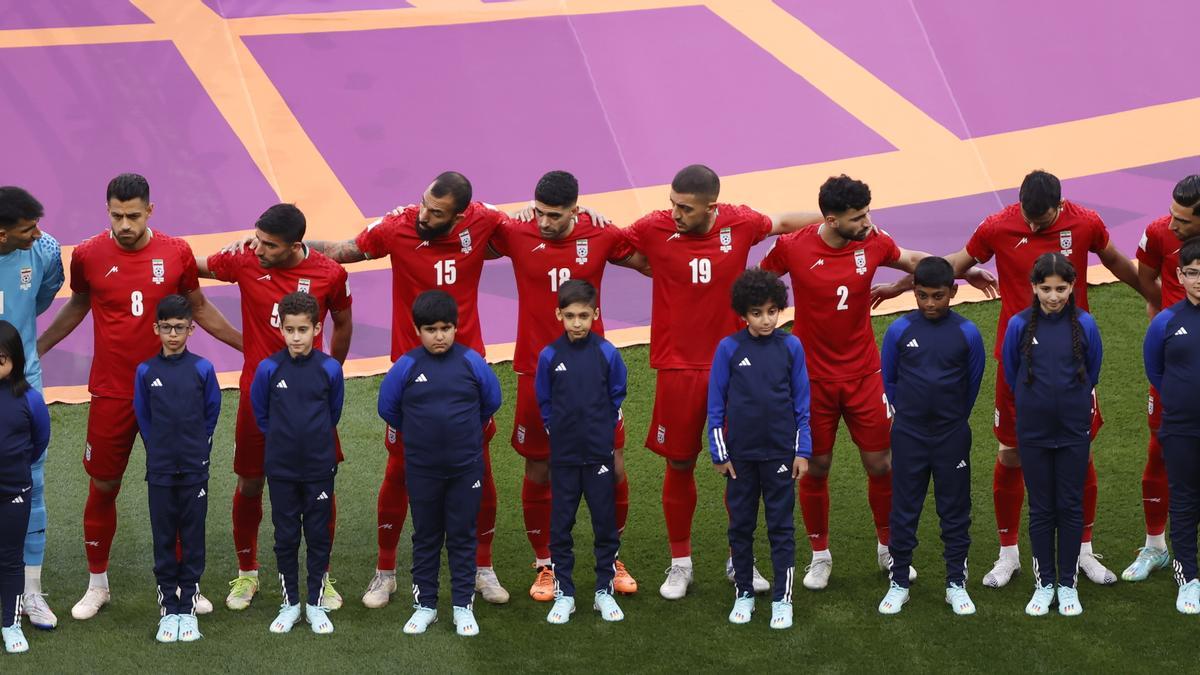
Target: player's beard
x,y
429,234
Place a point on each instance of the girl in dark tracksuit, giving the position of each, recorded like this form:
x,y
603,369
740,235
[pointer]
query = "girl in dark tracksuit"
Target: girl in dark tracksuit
x,y
24,435
1051,356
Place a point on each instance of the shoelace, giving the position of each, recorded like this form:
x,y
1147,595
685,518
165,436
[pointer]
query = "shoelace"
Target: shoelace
x,y
818,563
377,582
676,572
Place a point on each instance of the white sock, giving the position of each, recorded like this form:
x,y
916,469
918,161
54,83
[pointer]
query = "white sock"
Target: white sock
x,y
481,569
248,573
1012,552
1085,549
881,548
386,573
542,562
1158,541
33,578
822,555
98,581
685,561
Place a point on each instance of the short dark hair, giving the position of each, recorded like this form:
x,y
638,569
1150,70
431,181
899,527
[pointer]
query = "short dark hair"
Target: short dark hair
x,y
933,272
557,188
12,347
433,306
300,304
576,290
174,306
755,287
454,184
17,204
1040,192
840,194
697,179
284,221
1186,193
128,186
1189,252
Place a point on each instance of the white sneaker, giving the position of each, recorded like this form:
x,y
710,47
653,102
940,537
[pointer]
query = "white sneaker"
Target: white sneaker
x,y
288,616
203,604
33,605
1002,571
759,582
959,600
489,586
885,564
675,587
816,576
90,603
1095,570
421,620
379,591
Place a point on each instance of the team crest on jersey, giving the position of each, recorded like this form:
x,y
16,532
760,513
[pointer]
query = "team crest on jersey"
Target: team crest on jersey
x,y
391,434
1064,242
860,261
464,239
159,269
662,434
581,251
726,239
520,433
26,278
304,286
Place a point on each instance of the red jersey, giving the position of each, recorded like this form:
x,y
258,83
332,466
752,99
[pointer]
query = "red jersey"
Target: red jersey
x,y
124,288
831,288
1159,248
1007,236
541,265
452,263
262,289
692,278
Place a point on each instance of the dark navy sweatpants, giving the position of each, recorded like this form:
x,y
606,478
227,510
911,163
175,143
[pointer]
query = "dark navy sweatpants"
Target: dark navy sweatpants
x,y
947,459
598,484
770,481
1054,482
444,507
14,520
177,513
301,507
1182,456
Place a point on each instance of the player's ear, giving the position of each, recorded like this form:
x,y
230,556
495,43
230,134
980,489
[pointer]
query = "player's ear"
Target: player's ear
x,y
316,329
953,290
558,314
149,209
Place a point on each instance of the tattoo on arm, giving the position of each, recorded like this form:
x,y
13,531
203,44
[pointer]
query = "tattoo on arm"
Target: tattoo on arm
x,y
341,251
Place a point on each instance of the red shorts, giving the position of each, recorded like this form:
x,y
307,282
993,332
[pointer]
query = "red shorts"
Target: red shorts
x,y
249,444
111,428
529,431
680,412
1153,411
1004,417
864,406
393,440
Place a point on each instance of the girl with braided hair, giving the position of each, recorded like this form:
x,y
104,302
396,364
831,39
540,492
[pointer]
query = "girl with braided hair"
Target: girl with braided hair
x,y
1051,357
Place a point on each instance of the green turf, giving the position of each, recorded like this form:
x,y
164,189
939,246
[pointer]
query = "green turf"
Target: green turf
x,y
1125,627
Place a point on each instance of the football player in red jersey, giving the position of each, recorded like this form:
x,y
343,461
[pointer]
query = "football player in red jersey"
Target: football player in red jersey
x,y
1158,257
831,265
280,264
119,276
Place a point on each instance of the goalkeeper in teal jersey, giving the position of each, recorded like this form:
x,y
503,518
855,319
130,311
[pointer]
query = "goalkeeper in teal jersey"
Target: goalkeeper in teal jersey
x,y
31,272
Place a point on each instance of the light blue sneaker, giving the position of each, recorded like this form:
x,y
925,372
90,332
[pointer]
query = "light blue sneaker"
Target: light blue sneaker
x,y
464,622
959,600
606,604
743,609
189,628
1039,604
288,616
1068,601
894,601
318,619
168,628
1148,559
1188,600
564,607
781,614
421,620
14,639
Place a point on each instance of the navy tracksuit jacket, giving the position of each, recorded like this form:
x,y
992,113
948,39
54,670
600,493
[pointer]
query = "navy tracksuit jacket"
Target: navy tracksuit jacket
x,y
177,402
1172,356
758,413
441,403
580,386
931,373
1054,421
24,436
297,403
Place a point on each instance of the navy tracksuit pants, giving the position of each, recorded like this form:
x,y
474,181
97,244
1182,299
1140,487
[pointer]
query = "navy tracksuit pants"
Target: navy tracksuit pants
x,y
14,520
1054,480
769,481
177,513
568,484
1182,456
301,507
444,505
947,459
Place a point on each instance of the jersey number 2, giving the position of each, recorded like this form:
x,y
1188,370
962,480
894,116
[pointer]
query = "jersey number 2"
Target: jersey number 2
x,y
843,294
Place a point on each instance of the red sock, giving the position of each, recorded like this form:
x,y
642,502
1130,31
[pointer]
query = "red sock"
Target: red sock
x,y
391,510
1008,495
621,496
814,508
1155,496
99,526
247,514
1089,502
486,524
679,507
535,502
879,496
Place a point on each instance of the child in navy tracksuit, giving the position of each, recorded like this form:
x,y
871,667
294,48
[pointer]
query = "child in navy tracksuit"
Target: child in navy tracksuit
x,y
1051,356
758,409
580,384
177,401
440,396
297,397
24,435
933,361
1172,356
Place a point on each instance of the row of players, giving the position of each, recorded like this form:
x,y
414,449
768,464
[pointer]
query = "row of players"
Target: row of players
x,y
696,249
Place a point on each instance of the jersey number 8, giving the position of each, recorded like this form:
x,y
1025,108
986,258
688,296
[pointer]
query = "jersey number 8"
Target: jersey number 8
x,y
136,306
